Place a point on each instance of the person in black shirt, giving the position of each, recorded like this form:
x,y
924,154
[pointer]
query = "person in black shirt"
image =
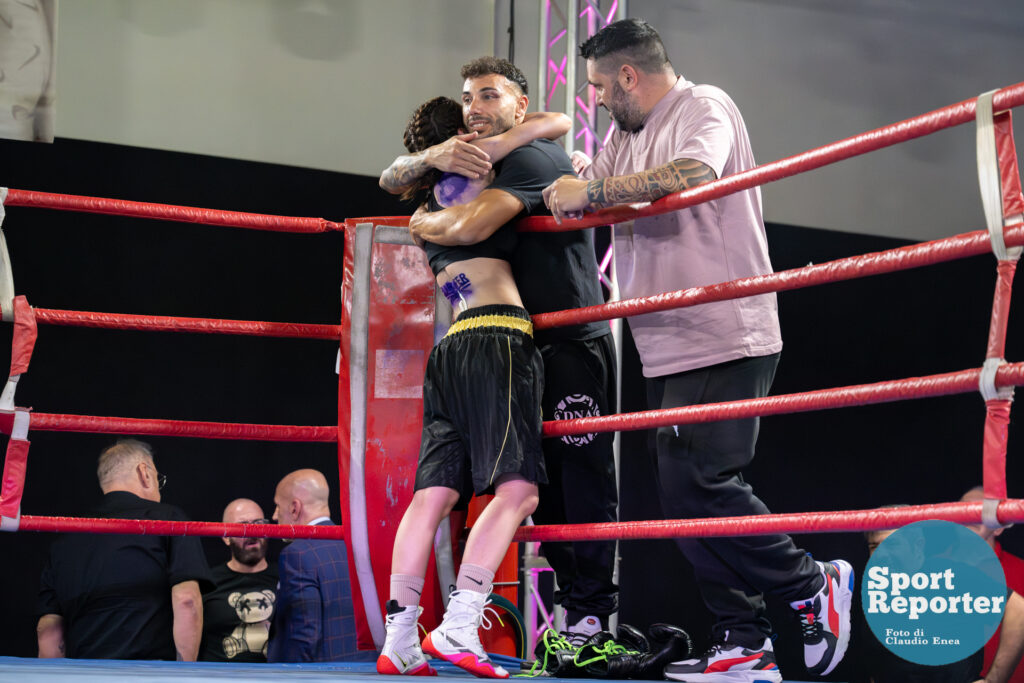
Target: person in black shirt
x,y
238,609
124,596
553,271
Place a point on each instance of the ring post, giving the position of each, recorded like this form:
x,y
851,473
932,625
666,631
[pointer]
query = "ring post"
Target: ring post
x,y
7,275
1003,204
357,370
387,331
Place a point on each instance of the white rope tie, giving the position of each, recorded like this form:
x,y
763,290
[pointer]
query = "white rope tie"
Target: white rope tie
x,y
7,398
21,422
989,178
988,514
987,382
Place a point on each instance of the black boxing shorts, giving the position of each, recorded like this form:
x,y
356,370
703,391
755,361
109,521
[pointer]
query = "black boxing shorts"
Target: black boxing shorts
x,y
482,404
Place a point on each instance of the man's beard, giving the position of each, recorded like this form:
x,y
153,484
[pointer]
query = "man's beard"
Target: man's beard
x,y
626,115
250,556
498,126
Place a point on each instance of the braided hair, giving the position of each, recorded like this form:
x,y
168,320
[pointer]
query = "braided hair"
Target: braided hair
x,y
432,123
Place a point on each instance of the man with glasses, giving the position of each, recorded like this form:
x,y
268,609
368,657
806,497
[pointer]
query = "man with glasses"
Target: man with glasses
x,y
238,611
106,596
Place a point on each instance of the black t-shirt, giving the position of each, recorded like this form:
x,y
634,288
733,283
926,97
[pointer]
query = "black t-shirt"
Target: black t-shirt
x,y
114,591
237,614
554,271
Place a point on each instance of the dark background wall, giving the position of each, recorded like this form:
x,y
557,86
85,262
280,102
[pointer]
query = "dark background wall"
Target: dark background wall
x,y
921,322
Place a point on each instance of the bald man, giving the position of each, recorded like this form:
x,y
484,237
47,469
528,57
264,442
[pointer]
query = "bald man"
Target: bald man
x,y
313,621
238,610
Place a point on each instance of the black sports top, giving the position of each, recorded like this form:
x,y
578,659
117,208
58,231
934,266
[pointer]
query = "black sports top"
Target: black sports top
x,y
553,271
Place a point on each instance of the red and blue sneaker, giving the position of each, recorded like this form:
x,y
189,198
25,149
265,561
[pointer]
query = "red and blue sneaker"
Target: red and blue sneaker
x,y
825,618
727,663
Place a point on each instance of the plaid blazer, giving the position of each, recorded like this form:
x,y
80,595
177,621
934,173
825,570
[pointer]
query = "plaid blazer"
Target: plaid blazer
x,y
313,621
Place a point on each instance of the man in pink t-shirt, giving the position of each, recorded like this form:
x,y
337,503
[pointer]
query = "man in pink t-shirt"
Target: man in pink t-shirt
x,y
673,135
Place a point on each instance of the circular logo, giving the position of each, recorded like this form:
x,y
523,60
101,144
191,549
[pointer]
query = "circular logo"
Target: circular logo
x,y
575,406
933,592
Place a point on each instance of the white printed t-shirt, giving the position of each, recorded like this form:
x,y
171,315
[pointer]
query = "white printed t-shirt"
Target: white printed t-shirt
x,y
706,244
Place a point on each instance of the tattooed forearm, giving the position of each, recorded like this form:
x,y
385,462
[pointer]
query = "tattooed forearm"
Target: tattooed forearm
x,y
647,186
404,172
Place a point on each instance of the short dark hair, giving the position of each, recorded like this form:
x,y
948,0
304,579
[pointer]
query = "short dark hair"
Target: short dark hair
x,y
432,123
634,40
485,66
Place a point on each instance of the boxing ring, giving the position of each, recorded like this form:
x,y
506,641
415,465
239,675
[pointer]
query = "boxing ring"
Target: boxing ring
x,y
390,317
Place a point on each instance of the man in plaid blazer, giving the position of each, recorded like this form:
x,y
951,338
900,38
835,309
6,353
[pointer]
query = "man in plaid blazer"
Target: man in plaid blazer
x,y
314,620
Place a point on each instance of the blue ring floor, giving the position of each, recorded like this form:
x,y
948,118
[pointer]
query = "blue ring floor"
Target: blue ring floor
x,y
23,670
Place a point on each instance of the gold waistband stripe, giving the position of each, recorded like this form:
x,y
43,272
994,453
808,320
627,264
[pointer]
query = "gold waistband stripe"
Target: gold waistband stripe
x,y
506,321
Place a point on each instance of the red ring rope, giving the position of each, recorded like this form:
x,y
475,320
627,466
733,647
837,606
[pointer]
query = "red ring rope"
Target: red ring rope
x,y
886,136
171,528
120,321
842,397
801,522
168,212
789,523
48,422
893,260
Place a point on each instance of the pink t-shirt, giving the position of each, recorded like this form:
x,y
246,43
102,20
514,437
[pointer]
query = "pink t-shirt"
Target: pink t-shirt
x,y
713,242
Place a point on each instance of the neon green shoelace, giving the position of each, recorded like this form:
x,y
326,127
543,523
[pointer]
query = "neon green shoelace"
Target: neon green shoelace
x,y
553,642
609,649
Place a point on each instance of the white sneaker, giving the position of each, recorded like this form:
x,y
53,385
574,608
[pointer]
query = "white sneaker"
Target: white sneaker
x,y
825,618
580,632
401,654
726,663
457,638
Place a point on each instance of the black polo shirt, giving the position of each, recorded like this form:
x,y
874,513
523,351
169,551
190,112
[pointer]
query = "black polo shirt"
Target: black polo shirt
x,y
114,591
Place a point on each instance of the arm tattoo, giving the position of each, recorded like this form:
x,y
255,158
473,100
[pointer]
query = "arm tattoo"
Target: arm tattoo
x,y
650,185
405,171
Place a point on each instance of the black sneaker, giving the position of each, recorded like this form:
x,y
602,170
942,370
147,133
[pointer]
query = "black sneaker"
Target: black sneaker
x,y
555,656
602,657
726,663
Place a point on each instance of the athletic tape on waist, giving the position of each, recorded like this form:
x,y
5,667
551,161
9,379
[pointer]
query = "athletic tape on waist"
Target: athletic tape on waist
x,y
506,321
